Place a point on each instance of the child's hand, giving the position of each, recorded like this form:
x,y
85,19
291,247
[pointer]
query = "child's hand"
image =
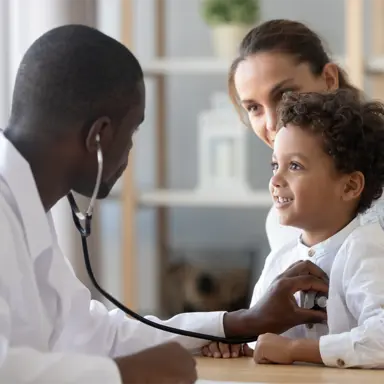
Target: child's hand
x,y
226,351
273,349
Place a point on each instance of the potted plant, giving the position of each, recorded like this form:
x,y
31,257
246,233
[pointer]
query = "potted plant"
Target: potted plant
x,y
229,20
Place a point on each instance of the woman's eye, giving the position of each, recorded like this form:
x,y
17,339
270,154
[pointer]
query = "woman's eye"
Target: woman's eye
x,y
254,108
274,166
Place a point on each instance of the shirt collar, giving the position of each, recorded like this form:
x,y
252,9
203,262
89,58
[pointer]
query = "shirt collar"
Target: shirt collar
x,y
16,173
333,242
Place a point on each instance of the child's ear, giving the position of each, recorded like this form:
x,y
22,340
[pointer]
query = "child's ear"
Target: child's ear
x,y
353,186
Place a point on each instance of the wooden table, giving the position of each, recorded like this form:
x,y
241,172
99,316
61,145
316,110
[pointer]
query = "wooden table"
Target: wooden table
x,y
245,370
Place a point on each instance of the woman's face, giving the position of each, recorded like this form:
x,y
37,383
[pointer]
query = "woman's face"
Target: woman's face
x,y
260,81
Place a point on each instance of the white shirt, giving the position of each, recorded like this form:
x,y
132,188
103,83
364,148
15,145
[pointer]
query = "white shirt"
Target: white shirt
x,y
50,329
278,235
354,260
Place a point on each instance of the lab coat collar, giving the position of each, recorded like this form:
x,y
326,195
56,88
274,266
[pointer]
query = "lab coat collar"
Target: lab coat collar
x,y
16,173
332,243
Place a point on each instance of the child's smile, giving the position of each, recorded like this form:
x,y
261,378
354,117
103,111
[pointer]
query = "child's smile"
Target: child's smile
x,y
306,188
282,202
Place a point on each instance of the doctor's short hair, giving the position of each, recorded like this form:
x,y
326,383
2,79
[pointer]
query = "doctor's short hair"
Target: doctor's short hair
x,y
75,73
352,132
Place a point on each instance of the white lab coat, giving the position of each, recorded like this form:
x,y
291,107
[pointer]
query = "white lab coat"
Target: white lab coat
x,y
50,329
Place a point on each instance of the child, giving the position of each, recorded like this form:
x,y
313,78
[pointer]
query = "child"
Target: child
x,y
328,167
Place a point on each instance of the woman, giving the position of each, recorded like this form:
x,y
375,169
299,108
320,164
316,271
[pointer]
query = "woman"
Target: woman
x,y
275,57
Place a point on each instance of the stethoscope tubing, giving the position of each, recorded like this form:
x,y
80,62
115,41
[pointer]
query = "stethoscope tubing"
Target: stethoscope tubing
x,y
85,230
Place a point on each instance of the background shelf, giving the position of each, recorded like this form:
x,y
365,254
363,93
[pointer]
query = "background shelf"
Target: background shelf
x,y
188,65
186,198
211,65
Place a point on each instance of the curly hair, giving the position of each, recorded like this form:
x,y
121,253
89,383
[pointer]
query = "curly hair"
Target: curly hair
x,y
352,132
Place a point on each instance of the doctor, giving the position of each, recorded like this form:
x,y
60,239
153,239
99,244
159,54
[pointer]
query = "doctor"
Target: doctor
x,y
75,88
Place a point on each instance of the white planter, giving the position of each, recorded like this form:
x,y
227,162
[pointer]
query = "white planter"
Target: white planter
x,y
226,39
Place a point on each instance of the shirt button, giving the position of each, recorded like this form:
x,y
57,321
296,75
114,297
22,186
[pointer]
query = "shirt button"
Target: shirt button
x,y
311,252
340,363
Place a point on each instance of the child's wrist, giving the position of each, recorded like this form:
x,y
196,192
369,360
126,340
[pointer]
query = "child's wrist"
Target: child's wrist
x,y
305,350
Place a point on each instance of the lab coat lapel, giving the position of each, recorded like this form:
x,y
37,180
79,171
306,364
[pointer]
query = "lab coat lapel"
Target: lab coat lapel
x,y
24,197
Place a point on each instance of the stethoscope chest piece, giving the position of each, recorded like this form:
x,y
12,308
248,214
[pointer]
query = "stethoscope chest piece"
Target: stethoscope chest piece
x,y
313,300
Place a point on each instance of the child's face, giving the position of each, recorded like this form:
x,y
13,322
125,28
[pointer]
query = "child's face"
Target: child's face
x,y
306,188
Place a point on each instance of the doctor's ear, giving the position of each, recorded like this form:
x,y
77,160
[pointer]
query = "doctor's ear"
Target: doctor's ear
x,y
100,132
353,186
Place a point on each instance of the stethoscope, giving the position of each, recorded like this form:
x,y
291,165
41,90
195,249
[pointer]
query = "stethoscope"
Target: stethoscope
x,y
85,230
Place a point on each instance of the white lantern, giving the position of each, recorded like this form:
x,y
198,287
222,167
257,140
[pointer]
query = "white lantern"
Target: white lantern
x,y
221,149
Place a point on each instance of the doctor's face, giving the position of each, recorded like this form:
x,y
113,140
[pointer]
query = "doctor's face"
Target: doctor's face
x,y
116,144
116,158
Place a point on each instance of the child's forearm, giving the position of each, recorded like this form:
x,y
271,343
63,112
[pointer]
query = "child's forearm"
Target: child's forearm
x,y
306,350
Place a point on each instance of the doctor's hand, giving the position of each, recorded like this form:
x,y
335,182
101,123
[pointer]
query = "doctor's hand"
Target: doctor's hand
x,y
164,364
277,311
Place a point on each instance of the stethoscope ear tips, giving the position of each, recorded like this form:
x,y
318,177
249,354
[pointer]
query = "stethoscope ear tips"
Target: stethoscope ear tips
x,y
97,138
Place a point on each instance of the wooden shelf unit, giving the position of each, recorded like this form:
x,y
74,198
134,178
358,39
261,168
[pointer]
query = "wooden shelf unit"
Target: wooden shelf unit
x,y
160,67
212,66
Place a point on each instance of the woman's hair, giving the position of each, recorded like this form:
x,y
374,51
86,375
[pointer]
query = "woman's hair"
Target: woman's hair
x,y
289,37
351,131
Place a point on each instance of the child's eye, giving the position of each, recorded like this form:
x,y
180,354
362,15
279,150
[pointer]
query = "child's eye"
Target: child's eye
x,y
295,166
274,166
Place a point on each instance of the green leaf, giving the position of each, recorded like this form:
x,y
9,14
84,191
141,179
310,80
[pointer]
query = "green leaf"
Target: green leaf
x,y
244,12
